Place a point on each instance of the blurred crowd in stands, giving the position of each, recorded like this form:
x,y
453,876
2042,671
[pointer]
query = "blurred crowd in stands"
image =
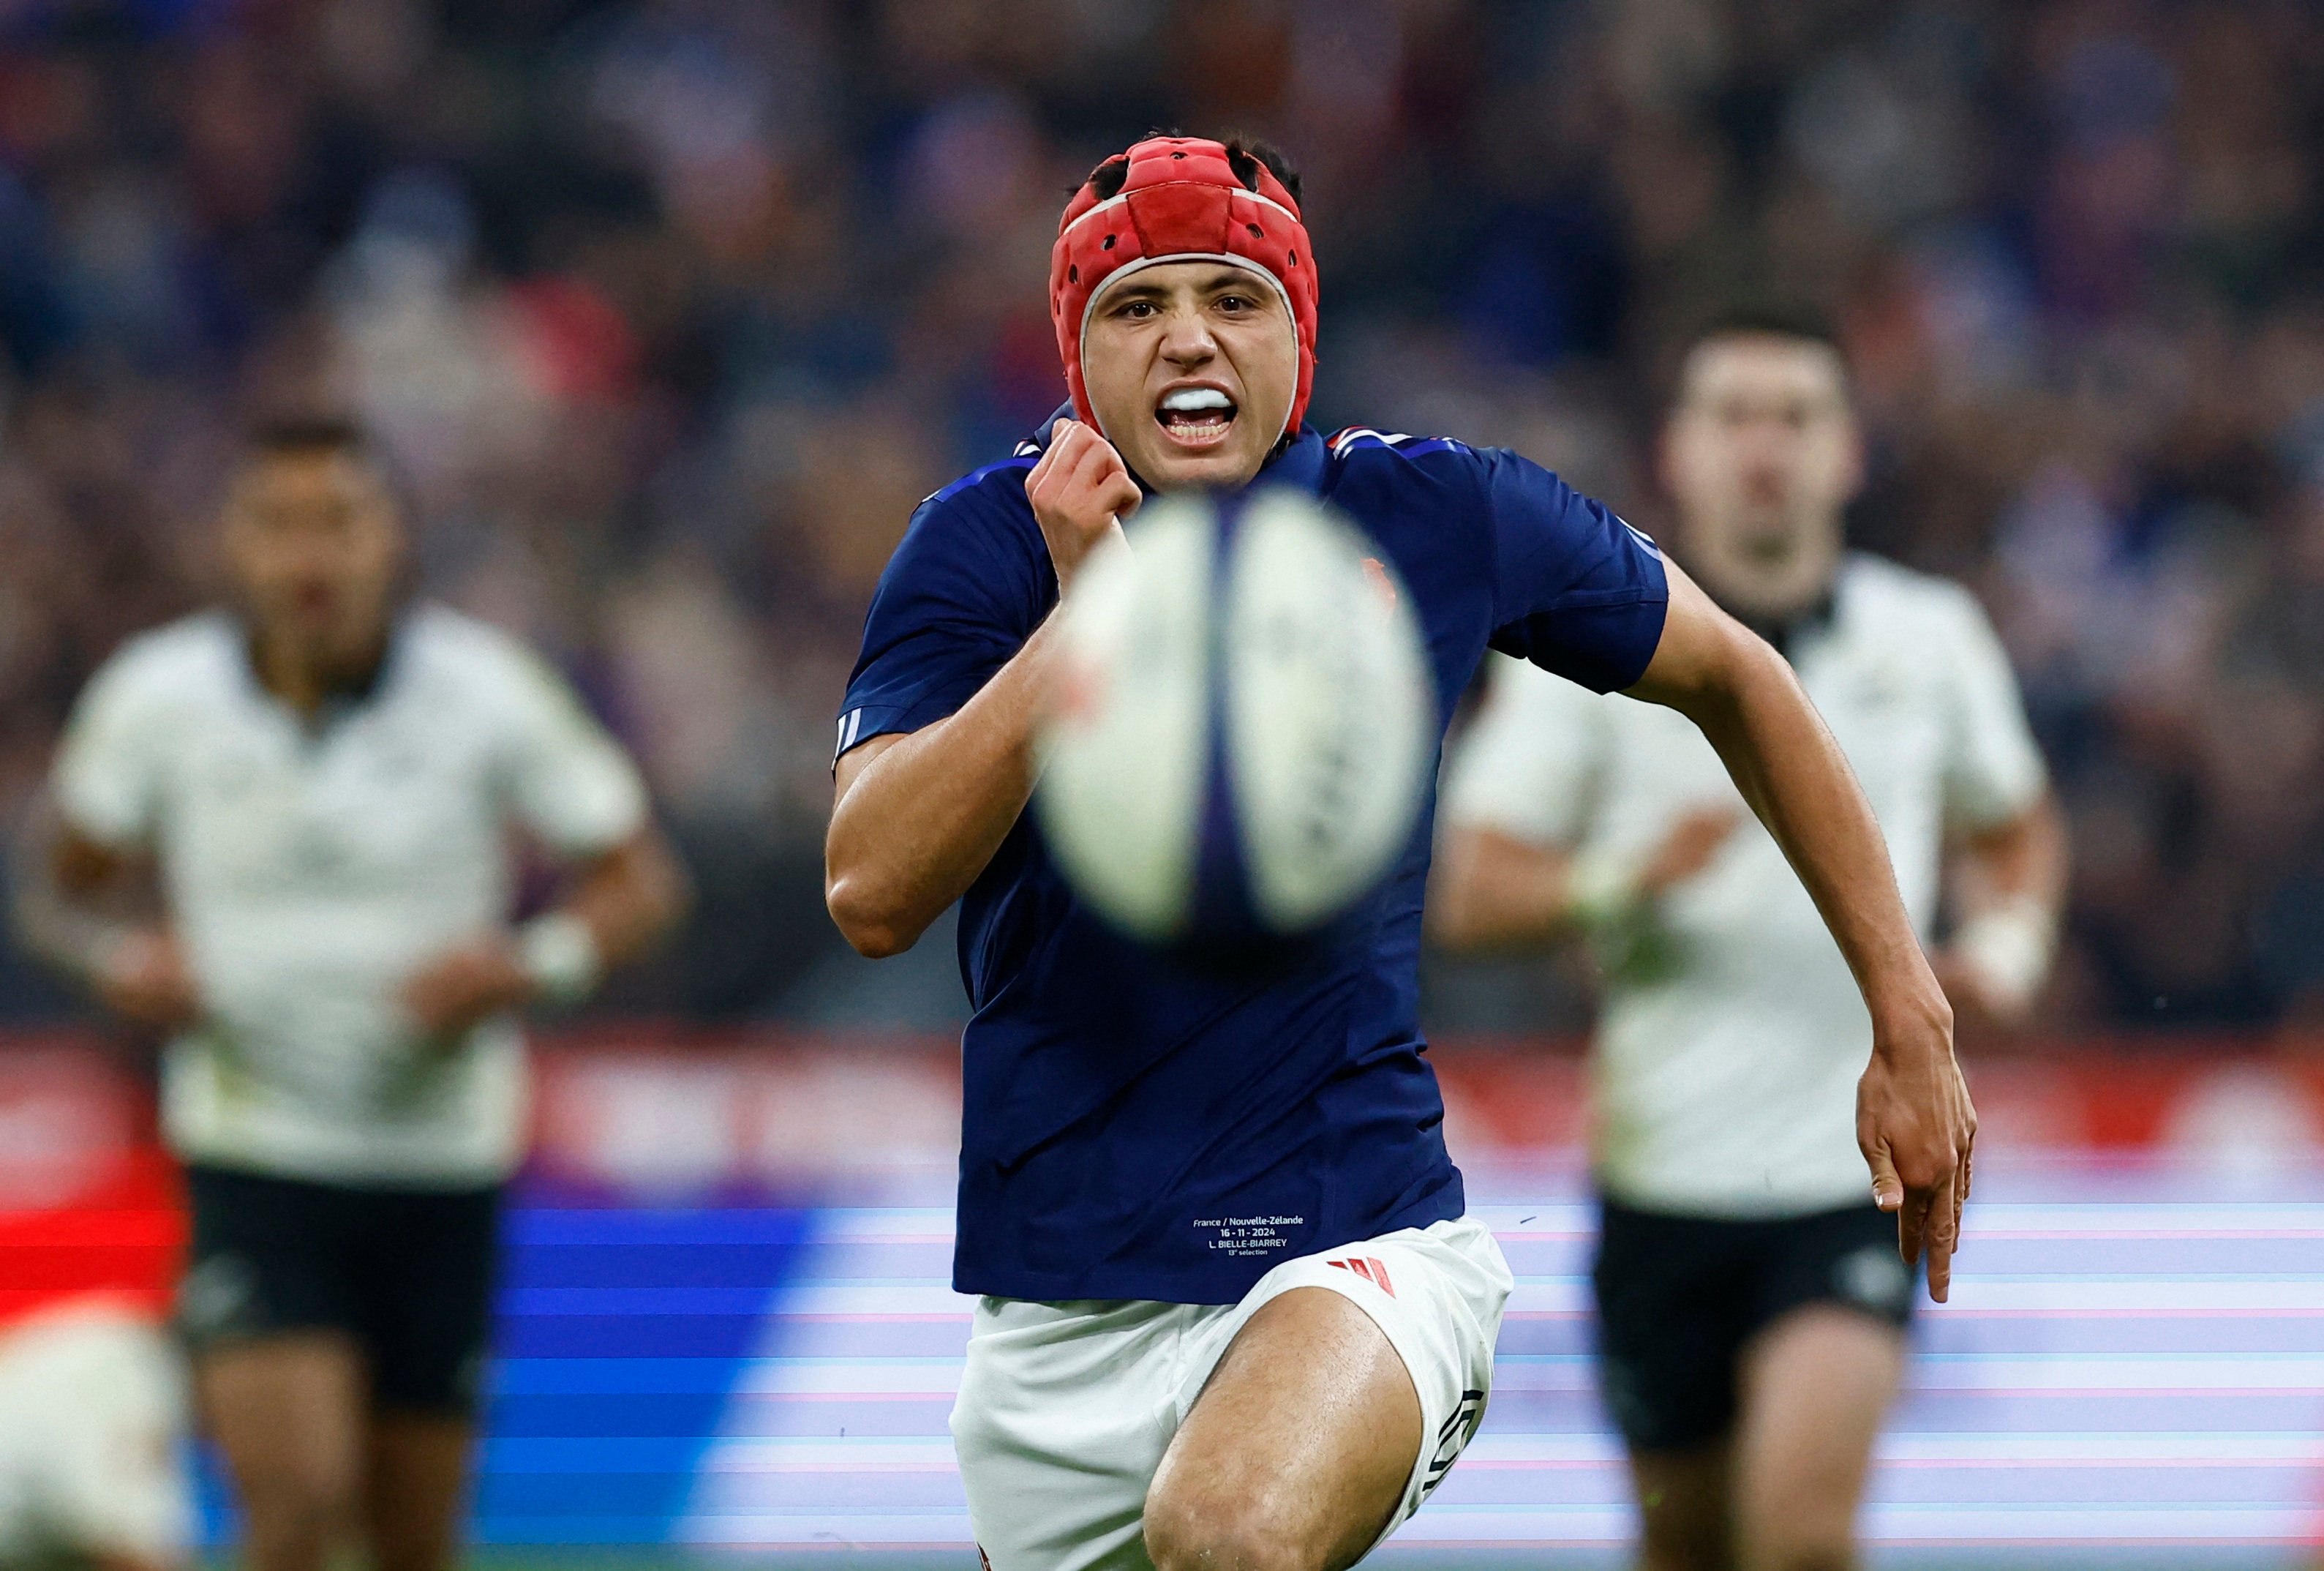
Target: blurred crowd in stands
x,y
672,310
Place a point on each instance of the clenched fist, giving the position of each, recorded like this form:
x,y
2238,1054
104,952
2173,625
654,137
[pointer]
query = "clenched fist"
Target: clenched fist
x,y
1081,491
449,995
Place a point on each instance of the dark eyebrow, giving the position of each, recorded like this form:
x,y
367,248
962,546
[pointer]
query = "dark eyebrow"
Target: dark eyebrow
x,y
1230,280
1133,290
1226,280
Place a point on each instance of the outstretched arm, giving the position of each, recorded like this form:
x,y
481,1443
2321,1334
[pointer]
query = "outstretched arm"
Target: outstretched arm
x,y
1913,1119
914,817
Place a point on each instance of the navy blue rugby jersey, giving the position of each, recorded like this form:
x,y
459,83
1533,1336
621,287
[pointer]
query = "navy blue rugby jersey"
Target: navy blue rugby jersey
x,y
1134,1128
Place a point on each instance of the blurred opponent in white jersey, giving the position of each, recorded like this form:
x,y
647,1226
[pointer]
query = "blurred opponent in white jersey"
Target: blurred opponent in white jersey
x,y
327,780
1752,1301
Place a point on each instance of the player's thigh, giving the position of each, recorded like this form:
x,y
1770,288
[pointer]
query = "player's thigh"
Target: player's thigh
x,y
287,1409
417,1479
1300,1449
1816,1386
1687,1508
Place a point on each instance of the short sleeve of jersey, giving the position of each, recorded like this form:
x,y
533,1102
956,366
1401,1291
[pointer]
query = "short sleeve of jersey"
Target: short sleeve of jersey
x,y
1526,766
108,773
1576,590
1994,771
567,780
960,596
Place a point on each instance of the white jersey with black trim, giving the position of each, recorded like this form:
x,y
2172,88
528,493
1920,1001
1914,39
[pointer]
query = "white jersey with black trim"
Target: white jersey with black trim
x,y
1732,1034
310,869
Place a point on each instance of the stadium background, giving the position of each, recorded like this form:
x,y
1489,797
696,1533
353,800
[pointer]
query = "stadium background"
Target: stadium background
x,y
671,312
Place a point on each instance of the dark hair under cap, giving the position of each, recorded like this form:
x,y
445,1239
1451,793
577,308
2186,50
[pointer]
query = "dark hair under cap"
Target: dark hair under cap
x,y
1772,318
309,433
1246,156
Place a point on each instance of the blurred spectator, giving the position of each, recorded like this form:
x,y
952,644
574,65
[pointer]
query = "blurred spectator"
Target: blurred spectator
x,y
671,311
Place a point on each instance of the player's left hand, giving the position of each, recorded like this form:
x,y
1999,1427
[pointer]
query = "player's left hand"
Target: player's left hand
x,y
1916,1127
456,989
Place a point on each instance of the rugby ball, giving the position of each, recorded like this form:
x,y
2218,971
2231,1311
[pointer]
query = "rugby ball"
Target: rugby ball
x,y
1243,724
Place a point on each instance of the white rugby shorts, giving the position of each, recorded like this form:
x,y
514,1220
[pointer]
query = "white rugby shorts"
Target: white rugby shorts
x,y
92,1416
1064,1409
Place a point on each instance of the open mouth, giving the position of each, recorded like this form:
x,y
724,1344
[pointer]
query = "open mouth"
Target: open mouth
x,y
1195,417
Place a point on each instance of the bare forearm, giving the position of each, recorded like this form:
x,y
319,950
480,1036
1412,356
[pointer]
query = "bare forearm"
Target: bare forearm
x,y
67,937
1492,891
2024,860
2008,883
630,897
915,825
61,926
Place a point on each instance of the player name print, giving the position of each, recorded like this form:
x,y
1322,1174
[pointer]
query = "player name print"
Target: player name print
x,y
1250,1234
1453,1438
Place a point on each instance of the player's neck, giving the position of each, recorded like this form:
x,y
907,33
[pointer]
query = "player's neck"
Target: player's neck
x,y
1774,592
305,679
1775,608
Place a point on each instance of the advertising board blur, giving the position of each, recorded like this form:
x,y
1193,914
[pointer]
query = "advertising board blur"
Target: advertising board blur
x,y
726,1318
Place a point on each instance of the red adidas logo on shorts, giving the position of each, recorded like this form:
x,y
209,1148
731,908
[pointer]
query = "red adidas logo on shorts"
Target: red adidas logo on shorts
x,y
1370,1270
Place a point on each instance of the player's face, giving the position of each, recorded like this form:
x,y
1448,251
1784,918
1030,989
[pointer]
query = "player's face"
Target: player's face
x,y
315,546
1761,454
1191,367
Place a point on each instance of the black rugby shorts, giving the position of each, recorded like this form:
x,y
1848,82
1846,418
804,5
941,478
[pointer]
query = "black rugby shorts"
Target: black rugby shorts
x,y
1678,1297
407,1272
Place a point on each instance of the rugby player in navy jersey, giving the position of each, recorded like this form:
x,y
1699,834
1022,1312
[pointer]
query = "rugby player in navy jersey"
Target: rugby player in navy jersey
x,y
1232,1311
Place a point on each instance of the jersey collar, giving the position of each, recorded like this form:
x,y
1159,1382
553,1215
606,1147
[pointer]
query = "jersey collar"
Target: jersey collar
x,y
361,691
1791,634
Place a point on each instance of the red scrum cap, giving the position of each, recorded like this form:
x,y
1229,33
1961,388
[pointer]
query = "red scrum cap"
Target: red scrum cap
x,y
1182,198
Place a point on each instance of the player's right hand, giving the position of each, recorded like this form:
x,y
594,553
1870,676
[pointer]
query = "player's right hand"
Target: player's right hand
x,y
1916,1127
1081,491
465,984
145,978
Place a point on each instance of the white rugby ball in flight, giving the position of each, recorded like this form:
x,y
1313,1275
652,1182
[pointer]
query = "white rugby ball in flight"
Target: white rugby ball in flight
x,y
1244,723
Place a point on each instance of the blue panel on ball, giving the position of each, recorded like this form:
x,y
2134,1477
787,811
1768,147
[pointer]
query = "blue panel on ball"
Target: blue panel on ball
x,y
1225,924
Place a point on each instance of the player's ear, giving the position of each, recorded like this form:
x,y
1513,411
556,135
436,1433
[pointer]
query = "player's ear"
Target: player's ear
x,y
1666,455
1853,460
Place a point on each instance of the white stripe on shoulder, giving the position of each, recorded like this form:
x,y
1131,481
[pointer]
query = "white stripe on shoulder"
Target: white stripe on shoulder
x,y
1346,438
1642,537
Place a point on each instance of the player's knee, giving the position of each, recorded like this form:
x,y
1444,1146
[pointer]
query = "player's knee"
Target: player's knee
x,y
1191,1530
295,1510
1669,1546
1811,1557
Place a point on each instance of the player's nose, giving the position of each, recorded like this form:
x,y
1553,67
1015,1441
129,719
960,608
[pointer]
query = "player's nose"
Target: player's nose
x,y
1764,464
1186,340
